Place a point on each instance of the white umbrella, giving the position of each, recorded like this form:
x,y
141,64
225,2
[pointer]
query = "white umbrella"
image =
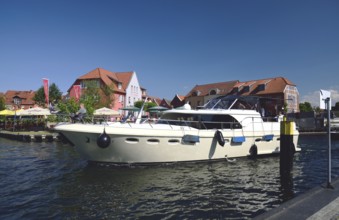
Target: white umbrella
x,y
105,111
34,111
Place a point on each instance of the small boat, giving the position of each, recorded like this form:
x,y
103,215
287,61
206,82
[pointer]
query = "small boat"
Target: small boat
x,y
226,127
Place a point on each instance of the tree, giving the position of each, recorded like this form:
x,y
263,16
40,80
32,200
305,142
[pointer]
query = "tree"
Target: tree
x,y
317,109
336,107
108,96
39,96
95,97
147,105
2,102
54,95
305,107
68,106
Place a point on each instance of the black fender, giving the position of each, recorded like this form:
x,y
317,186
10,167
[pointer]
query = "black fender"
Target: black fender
x,y
220,138
253,151
104,140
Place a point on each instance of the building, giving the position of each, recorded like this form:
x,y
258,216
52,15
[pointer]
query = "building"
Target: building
x,y
177,101
125,85
19,99
279,93
165,103
201,94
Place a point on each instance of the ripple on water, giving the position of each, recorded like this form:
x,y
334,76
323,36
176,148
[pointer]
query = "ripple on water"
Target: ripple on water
x,y
50,181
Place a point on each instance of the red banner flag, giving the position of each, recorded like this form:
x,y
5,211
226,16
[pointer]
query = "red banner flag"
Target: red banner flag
x,y
46,90
77,92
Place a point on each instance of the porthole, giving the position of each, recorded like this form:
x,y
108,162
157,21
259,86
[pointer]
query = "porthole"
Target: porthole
x,y
173,141
153,141
132,140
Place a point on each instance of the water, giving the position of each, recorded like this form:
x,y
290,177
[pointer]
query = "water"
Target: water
x,y
51,181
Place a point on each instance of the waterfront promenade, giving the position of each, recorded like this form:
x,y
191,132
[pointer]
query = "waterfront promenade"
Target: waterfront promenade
x,y
318,203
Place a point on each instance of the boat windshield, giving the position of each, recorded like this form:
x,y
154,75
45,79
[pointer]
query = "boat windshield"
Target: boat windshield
x,y
232,102
200,121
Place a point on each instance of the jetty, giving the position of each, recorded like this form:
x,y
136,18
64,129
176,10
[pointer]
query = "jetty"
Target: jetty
x,y
31,136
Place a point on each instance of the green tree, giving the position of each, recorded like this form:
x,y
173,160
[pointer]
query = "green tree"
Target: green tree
x,y
147,105
336,107
68,106
305,107
39,96
95,97
2,103
317,109
108,96
91,96
54,95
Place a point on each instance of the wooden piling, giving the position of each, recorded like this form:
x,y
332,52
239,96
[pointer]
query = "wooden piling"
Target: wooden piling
x,y
287,147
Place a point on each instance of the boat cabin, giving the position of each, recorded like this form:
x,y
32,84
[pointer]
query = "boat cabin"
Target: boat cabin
x,y
209,116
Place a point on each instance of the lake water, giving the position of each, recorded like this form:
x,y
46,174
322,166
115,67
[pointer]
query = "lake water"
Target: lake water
x,y
51,181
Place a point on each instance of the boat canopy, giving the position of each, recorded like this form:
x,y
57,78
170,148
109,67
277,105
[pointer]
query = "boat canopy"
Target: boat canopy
x,y
233,102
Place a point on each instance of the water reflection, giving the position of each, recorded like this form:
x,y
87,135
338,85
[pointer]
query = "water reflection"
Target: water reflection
x,y
206,190
49,180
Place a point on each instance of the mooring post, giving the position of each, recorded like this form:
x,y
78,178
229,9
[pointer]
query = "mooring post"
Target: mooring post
x,y
286,146
328,106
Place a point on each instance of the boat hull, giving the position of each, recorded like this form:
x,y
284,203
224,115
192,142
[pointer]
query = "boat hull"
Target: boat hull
x,y
165,144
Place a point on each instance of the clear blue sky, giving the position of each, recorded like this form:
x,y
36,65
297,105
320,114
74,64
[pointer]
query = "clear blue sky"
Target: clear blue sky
x,y
172,45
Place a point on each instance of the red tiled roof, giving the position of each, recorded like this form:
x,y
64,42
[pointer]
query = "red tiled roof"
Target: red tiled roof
x,y
124,78
181,97
272,85
252,87
108,78
223,87
25,96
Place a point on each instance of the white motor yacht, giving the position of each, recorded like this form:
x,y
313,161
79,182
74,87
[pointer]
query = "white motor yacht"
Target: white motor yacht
x,y
226,127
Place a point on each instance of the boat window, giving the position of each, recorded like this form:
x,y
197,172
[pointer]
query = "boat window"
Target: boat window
x,y
234,102
219,122
200,121
223,102
246,102
240,104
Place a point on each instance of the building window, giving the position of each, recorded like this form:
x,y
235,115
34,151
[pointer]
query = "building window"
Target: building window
x,y
196,93
213,92
17,101
85,83
119,85
261,87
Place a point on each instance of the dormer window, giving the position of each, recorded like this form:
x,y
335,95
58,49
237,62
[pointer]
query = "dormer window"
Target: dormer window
x,y
119,85
238,87
247,88
262,87
196,93
17,100
214,92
